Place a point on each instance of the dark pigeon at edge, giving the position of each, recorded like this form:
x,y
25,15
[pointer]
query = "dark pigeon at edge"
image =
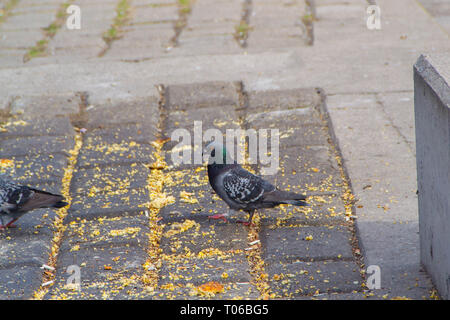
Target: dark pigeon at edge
x,y
16,200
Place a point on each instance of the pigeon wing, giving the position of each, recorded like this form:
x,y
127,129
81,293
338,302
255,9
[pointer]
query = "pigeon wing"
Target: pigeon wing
x,y
244,187
13,196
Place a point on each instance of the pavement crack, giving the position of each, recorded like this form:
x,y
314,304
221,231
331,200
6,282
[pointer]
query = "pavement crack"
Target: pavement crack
x,y
7,8
184,10
40,49
115,32
243,28
307,20
58,223
157,200
254,257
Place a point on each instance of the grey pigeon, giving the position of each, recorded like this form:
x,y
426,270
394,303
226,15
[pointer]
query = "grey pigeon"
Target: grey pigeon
x,y
16,200
242,190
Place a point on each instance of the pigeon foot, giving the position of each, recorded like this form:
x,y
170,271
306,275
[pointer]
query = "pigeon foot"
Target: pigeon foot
x,y
245,223
10,224
218,216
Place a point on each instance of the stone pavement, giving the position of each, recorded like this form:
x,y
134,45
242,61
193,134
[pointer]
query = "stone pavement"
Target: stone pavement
x,y
137,226
87,113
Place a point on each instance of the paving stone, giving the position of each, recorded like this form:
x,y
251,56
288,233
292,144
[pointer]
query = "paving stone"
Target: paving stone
x,y
263,40
309,278
202,270
240,290
207,45
119,243
23,250
322,209
277,13
290,243
107,179
202,236
210,28
203,9
27,146
102,232
142,110
293,117
214,94
184,119
116,146
60,126
39,167
155,13
19,282
32,19
22,39
11,58
150,38
118,279
45,106
24,247
305,135
271,100
312,168
111,204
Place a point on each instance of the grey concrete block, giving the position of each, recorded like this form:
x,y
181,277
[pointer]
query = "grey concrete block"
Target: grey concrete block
x,y
276,100
117,146
201,95
39,167
203,235
31,107
293,242
202,270
28,146
142,110
20,282
289,280
60,126
432,118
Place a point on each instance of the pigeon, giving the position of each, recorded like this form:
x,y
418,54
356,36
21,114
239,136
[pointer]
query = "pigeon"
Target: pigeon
x,y
241,189
16,200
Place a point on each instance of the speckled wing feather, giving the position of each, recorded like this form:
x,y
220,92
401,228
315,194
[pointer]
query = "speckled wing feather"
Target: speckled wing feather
x,y
244,187
13,196
15,200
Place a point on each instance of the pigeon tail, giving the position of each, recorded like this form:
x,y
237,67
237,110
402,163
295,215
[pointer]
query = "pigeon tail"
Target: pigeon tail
x,y
298,203
286,197
43,199
60,204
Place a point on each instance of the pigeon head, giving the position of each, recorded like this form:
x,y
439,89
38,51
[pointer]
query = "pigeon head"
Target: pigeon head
x,y
217,153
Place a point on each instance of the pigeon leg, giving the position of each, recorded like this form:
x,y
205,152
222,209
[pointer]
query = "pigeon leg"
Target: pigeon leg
x,y
249,222
10,224
218,216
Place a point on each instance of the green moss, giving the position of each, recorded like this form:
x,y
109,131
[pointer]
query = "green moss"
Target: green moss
x,y
122,13
242,28
36,51
7,9
52,29
185,6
